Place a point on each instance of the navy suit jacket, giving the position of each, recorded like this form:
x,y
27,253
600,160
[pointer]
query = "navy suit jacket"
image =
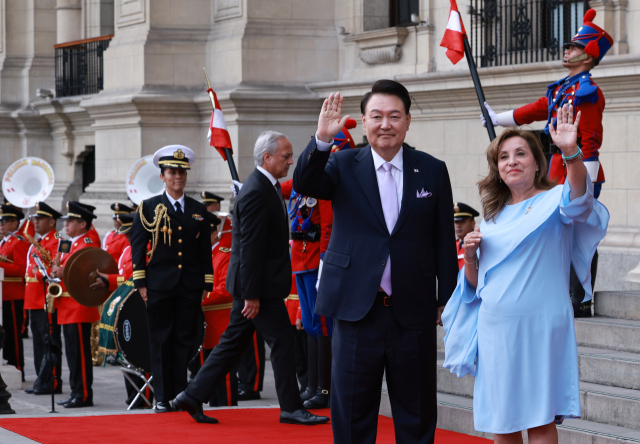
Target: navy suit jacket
x,y
422,244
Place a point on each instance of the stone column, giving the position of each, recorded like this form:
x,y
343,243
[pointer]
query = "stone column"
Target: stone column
x,y
69,18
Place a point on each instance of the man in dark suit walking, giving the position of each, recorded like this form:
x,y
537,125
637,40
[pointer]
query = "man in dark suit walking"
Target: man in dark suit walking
x,y
392,239
259,279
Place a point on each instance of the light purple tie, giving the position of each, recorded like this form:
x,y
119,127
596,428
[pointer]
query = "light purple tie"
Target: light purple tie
x,y
389,198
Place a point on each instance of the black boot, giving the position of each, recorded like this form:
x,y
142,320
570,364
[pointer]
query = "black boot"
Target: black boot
x,y
321,399
312,370
577,293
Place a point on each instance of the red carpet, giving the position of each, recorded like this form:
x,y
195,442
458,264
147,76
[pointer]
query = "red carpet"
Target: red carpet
x,y
237,426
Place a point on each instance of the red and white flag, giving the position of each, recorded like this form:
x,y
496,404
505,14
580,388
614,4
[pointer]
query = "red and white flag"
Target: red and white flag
x,y
453,35
218,135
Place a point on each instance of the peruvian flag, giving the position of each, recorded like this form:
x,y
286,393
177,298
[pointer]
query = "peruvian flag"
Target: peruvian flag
x,y
453,35
218,135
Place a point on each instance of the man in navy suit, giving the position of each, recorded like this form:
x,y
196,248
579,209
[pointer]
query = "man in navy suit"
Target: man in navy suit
x,y
393,239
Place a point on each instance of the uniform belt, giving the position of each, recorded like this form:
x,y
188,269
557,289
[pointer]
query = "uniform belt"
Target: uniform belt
x,y
383,298
293,297
206,308
13,279
30,280
309,237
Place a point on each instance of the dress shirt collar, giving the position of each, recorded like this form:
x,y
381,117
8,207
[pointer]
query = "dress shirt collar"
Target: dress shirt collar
x,y
8,236
396,161
173,201
78,237
45,235
272,179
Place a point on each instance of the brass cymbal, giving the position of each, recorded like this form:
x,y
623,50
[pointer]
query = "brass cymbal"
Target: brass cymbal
x,y
81,273
71,260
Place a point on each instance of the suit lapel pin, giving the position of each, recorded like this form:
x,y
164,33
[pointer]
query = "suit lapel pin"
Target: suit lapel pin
x,y
416,171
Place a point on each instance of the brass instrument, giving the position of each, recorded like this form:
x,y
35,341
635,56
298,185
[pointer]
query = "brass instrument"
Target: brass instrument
x,y
5,259
44,254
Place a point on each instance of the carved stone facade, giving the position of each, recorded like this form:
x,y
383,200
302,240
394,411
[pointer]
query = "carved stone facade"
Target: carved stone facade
x,y
271,63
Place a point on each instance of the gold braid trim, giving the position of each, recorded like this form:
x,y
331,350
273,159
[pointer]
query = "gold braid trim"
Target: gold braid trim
x,y
160,217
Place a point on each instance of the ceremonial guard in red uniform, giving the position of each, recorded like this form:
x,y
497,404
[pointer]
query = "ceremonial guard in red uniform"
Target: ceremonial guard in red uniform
x,y
47,350
115,243
13,259
76,319
582,54
25,227
463,218
300,336
311,224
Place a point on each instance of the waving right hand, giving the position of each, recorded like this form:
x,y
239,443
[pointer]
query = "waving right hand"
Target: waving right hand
x,y
329,122
471,244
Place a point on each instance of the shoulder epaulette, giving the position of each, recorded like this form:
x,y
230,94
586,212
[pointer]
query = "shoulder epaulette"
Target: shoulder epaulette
x,y
87,240
225,249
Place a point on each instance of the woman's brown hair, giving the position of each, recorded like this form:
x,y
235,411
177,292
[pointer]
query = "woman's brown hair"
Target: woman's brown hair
x,y
495,194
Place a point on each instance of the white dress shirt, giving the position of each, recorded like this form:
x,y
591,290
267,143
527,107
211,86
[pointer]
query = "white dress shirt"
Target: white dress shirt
x,y
173,201
396,171
272,179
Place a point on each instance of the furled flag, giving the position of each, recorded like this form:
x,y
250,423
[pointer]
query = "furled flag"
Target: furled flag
x,y
218,135
453,35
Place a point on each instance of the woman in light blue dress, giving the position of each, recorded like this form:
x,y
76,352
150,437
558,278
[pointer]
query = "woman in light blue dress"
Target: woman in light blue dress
x,y
511,313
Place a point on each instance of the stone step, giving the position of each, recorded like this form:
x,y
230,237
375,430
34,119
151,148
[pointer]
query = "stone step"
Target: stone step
x,y
608,333
618,304
455,413
609,367
600,403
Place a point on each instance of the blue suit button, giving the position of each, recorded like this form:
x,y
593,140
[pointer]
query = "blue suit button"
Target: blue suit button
x,y
384,263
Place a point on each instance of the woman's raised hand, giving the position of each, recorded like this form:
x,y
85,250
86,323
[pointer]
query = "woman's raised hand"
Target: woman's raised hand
x,y
471,244
565,135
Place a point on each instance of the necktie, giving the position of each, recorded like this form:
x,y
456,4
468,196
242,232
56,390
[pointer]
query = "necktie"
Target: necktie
x,y
389,198
178,208
279,191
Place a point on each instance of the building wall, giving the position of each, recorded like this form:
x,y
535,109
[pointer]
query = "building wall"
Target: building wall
x,y
271,63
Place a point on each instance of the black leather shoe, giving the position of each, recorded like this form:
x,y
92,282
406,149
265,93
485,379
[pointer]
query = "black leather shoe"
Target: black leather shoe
x,y
163,407
64,401
29,391
47,391
186,402
302,417
307,394
248,395
319,401
77,403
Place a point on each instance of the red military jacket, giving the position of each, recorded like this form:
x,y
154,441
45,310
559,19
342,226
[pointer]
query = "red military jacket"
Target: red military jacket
x,y
15,250
115,244
589,129
34,288
220,255
125,269
460,250
94,236
305,256
69,311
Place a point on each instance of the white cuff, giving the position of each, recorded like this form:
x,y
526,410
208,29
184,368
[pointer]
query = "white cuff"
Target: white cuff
x,y
593,167
323,146
506,119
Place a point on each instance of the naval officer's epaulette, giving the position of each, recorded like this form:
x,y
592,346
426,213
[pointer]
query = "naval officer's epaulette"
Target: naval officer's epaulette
x,y
225,249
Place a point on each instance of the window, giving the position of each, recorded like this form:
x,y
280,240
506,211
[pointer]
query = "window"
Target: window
x,y
400,12
509,32
88,168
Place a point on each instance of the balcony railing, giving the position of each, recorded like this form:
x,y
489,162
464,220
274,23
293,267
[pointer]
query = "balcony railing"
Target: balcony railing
x,y
79,66
510,32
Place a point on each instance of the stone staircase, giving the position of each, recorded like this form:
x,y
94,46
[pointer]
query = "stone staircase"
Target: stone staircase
x,y
609,362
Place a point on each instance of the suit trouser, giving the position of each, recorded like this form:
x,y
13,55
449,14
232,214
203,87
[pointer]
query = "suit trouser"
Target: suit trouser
x,y
47,352
172,332
362,351
77,346
251,366
225,393
301,344
12,320
272,321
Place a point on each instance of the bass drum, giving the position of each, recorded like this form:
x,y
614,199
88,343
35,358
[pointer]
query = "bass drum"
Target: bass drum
x,y
132,333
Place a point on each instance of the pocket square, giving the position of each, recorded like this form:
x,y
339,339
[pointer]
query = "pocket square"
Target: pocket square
x,y
420,194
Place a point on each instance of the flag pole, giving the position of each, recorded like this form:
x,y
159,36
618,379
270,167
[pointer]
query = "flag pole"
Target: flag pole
x,y
227,151
479,92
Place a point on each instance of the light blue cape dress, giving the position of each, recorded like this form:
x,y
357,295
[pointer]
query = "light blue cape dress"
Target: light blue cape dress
x,y
515,331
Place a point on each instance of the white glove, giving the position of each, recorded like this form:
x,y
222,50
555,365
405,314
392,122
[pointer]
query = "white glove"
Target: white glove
x,y
502,119
236,187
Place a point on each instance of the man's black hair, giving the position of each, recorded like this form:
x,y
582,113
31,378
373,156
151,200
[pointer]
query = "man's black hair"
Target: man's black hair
x,y
389,88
